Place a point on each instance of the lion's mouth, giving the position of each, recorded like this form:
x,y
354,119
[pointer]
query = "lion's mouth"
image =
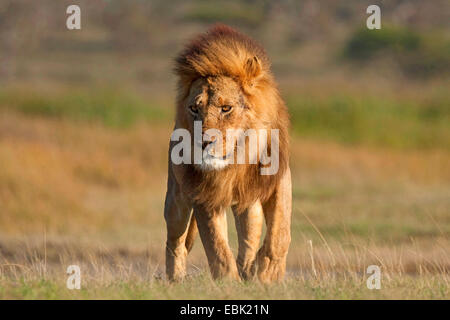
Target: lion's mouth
x,y
210,153
212,156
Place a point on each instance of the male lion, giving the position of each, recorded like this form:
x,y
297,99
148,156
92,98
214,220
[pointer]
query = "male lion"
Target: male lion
x,y
224,81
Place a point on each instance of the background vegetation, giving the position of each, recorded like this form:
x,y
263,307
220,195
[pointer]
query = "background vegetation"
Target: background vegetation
x,y
85,119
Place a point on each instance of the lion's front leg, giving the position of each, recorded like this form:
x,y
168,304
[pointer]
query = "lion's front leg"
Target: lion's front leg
x,y
249,229
271,258
212,227
177,213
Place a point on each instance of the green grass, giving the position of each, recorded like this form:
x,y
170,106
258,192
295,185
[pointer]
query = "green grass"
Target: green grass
x,y
351,286
346,118
370,120
112,107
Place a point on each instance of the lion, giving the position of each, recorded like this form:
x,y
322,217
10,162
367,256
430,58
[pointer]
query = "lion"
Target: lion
x,y
225,81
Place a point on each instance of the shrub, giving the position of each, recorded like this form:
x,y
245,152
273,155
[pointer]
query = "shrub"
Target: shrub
x,y
417,54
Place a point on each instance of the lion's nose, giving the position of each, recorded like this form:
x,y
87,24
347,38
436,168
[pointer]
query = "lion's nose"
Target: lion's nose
x,y
207,140
205,144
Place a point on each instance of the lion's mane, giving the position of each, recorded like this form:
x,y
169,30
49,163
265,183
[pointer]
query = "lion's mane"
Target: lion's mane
x,y
223,51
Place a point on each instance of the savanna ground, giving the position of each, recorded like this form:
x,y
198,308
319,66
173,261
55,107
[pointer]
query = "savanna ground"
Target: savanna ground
x,y
83,161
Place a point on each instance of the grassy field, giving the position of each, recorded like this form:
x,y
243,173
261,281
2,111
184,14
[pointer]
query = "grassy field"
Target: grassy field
x,y
86,116
83,178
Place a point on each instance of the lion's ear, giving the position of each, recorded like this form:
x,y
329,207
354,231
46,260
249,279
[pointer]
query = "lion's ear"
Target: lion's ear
x,y
252,68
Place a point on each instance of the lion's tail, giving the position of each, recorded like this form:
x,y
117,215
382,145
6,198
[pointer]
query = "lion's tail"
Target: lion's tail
x,y
192,233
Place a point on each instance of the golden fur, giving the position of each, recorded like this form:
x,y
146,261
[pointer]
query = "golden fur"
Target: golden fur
x,y
220,67
224,52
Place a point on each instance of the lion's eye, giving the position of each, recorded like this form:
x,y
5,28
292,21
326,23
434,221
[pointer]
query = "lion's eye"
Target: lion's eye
x,y
226,109
193,109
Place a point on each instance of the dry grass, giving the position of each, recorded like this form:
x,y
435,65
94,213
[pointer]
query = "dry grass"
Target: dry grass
x,y
86,194
84,130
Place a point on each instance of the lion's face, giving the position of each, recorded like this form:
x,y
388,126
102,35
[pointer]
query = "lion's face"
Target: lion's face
x,y
219,103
